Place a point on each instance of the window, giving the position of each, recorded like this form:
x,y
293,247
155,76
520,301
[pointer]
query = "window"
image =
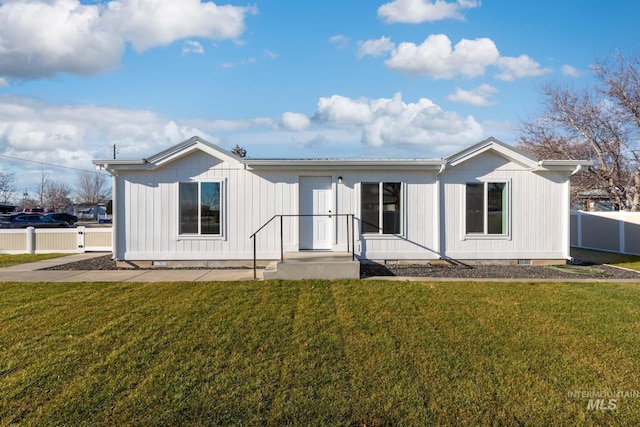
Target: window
x,y
381,208
486,208
200,212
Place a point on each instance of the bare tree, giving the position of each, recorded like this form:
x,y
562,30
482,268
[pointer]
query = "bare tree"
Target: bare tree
x,y
7,186
239,151
538,139
620,83
41,190
601,124
56,196
91,187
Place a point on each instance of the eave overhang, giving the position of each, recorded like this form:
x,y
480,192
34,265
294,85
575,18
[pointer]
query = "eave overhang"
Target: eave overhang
x,y
112,165
573,166
342,164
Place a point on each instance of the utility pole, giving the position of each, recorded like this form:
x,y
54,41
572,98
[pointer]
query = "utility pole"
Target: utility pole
x,y
114,151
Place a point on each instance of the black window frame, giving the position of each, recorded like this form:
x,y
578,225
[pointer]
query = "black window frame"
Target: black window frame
x,y
193,211
484,192
388,208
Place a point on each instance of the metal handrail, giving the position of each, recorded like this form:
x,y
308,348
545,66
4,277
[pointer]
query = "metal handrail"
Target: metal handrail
x,y
282,216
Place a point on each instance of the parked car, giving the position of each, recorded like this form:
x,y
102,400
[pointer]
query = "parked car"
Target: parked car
x,y
24,220
39,211
62,216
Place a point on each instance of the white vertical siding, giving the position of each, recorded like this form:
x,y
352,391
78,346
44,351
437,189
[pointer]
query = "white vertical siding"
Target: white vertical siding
x,y
148,230
537,223
149,227
147,211
417,240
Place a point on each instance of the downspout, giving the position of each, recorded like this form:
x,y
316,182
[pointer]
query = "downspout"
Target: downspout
x,y
438,214
114,215
567,234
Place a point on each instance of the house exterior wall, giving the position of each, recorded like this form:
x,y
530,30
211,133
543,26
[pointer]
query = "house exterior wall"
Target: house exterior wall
x,y
537,215
433,209
148,225
147,214
418,238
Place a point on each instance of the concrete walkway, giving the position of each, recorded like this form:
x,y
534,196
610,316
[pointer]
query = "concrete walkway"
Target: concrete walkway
x,y
32,272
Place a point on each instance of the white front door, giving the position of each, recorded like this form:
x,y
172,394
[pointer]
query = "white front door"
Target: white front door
x,y
316,199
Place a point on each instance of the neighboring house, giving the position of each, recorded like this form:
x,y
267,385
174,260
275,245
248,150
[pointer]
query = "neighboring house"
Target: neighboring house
x,y
7,208
86,211
594,201
197,202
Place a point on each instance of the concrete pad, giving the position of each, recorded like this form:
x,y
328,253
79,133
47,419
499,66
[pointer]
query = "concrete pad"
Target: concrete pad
x,y
310,268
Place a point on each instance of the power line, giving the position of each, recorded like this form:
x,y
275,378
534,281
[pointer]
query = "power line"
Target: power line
x,y
50,164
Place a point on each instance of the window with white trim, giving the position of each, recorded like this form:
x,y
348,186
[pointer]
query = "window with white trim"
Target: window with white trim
x,y
381,207
487,206
200,208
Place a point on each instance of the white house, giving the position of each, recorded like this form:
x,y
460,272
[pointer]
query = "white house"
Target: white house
x,y
197,202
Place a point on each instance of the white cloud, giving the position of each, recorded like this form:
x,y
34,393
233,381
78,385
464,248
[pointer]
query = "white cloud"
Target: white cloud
x,y
269,54
40,38
4,82
417,11
232,125
436,58
317,141
375,47
478,96
570,71
251,60
151,23
192,46
294,121
339,40
392,121
74,135
518,67
342,111
502,130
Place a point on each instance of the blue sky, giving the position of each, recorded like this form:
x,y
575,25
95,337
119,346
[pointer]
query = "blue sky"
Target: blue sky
x,y
283,78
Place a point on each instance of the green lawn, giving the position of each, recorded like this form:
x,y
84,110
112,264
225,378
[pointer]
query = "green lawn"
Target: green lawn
x,y
599,257
318,353
9,260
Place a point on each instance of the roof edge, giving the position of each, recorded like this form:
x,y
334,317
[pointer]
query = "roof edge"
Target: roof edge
x,y
508,151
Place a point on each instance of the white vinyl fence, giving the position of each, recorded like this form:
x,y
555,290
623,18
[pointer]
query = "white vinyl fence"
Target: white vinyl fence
x,y
606,231
55,240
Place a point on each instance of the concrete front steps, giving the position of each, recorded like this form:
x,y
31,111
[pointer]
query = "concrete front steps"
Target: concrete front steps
x,y
313,265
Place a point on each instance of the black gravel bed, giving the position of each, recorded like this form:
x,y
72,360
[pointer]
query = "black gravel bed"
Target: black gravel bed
x,y
437,271
495,272
99,263
106,263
